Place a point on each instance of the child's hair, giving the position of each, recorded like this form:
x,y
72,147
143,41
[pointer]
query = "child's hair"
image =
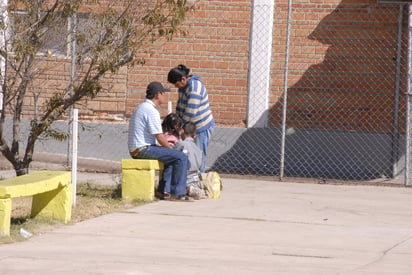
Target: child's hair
x,y
189,128
177,73
171,123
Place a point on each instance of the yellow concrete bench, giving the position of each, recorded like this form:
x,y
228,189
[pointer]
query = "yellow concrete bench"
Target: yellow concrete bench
x,y
139,178
51,191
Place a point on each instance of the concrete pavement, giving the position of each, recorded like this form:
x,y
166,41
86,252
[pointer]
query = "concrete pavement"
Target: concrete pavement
x,y
255,227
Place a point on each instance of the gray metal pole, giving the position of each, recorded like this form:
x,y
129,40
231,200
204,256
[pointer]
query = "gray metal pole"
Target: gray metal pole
x,y
408,103
72,54
395,131
285,94
3,43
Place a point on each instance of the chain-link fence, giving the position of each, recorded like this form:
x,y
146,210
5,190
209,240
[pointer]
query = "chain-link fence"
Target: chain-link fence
x,y
342,112
335,106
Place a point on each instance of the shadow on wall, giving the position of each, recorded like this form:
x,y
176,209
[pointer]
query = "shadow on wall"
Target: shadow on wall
x,y
340,115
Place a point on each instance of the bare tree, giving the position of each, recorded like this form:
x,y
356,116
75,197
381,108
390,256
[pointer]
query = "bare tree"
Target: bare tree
x,y
111,35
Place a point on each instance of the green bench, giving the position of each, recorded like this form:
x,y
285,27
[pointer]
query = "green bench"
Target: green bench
x,y
139,179
51,191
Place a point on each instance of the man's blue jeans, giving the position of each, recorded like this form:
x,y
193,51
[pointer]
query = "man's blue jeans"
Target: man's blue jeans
x,y
175,168
202,140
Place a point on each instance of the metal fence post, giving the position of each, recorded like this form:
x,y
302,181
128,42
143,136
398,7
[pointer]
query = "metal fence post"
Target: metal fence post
x,y
285,94
409,98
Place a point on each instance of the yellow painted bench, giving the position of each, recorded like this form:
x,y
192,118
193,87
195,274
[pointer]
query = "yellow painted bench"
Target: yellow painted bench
x,y
51,191
139,178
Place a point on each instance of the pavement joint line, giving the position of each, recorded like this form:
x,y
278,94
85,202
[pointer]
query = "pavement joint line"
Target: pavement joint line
x,y
301,255
235,218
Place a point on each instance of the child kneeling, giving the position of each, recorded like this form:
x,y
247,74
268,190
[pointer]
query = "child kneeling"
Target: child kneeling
x,y
195,187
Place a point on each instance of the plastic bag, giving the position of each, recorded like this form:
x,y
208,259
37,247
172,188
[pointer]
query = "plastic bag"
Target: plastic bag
x,y
212,183
195,187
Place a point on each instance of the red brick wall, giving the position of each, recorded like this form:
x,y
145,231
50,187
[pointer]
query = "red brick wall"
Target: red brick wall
x,y
216,48
341,65
108,106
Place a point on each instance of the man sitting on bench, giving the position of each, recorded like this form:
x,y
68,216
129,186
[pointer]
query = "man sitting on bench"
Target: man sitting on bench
x,y
145,129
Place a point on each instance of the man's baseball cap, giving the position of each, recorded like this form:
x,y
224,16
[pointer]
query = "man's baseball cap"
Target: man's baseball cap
x,y
155,87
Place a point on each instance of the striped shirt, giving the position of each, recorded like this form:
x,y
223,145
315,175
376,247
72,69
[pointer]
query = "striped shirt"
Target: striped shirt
x,y
193,104
143,125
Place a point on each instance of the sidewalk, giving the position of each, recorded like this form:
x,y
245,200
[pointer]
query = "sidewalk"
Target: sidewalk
x,y
256,227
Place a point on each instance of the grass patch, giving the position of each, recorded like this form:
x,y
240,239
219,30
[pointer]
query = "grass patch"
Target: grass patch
x,y
92,200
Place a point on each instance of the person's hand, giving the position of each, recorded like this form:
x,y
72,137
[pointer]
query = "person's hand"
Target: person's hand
x,y
161,139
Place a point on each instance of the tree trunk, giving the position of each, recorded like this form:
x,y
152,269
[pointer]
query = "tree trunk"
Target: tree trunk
x,y
21,168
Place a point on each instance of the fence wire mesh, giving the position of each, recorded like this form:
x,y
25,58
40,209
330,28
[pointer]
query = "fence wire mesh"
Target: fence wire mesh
x,y
348,111
344,106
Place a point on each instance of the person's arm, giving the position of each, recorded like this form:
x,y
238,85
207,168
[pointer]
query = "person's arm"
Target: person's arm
x,y
189,101
161,139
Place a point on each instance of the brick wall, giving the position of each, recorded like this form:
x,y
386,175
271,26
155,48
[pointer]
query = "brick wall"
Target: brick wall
x,y
341,65
108,106
341,69
216,48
